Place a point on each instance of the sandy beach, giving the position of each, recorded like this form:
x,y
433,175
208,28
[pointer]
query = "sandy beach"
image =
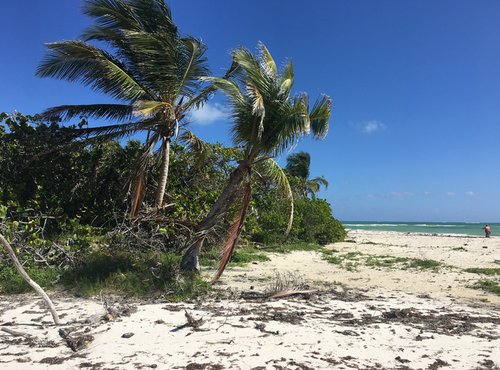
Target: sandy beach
x,y
382,304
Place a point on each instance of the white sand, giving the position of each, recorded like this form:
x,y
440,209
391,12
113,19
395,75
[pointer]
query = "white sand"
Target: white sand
x,y
442,321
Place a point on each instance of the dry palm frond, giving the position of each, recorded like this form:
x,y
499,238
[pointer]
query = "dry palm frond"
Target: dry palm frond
x,y
285,284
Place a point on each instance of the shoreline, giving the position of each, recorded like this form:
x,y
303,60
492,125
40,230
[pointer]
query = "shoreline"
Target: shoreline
x,y
416,233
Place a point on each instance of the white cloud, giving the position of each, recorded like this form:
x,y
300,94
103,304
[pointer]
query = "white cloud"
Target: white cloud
x,y
450,193
370,127
427,193
470,193
208,114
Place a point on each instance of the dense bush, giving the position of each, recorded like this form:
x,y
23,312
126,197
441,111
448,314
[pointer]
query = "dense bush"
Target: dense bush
x,y
64,209
314,222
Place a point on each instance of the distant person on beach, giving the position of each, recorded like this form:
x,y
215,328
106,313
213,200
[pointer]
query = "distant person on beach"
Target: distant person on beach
x,y
487,230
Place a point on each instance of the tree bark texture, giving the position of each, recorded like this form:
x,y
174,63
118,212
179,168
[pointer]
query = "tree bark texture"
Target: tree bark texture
x,y
190,259
26,277
162,183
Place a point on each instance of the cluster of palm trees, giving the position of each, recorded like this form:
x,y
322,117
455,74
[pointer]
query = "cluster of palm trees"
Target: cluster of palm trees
x,y
159,76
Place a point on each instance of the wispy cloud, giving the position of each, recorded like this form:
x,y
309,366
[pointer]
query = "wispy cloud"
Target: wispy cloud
x,y
427,193
451,193
208,114
470,193
401,194
370,127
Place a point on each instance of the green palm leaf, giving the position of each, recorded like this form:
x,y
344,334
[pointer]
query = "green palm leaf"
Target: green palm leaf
x,y
78,61
117,112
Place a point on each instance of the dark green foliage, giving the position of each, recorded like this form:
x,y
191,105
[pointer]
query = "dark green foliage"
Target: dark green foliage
x,y
84,182
11,282
314,222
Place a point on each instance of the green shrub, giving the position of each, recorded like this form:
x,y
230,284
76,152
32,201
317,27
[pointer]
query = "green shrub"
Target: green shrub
x,y
488,286
11,281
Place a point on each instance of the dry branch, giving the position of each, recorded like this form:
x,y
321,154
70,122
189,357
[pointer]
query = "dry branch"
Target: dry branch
x,y
32,283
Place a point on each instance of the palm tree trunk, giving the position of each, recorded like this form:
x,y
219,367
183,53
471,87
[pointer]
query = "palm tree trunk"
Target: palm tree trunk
x,y
26,277
162,184
190,259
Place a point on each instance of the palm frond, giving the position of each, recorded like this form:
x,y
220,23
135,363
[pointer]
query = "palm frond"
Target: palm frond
x,y
84,63
271,170
258,109
198,147
320,115
192,66
320,180
268,63
107,111
148,108
298,164
286,80
138,15
251,70
102,133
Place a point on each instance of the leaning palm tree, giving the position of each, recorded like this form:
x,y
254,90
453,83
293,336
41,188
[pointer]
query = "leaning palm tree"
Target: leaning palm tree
x,y
267,120
146,65
299,165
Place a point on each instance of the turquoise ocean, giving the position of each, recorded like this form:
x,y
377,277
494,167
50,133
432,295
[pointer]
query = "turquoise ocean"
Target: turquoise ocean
x,y
463,228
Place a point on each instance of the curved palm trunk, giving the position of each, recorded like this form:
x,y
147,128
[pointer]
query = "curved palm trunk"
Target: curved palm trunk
x,y
190,259
32,283
162,183
234,233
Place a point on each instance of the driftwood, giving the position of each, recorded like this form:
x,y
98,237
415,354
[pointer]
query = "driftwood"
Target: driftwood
x,y
252,295
15,333
32,283
191,322
77,341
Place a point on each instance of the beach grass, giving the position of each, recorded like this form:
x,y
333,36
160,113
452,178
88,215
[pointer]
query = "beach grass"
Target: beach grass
x,y
292,247
350,260
484,271
130,275
11,281
488,286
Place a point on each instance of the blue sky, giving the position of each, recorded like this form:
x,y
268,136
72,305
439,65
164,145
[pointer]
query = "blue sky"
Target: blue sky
x,y
416,88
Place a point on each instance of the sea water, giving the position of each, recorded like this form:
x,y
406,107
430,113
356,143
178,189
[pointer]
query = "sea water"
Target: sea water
x,y
462,228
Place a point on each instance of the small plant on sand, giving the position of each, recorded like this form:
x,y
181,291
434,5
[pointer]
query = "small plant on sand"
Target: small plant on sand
x,y
484,271
384,261
287,281
241,257
292,247
424,264
488,286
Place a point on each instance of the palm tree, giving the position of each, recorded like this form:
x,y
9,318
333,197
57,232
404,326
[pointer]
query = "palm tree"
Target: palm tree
x,y
298,165
152,70
267,120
